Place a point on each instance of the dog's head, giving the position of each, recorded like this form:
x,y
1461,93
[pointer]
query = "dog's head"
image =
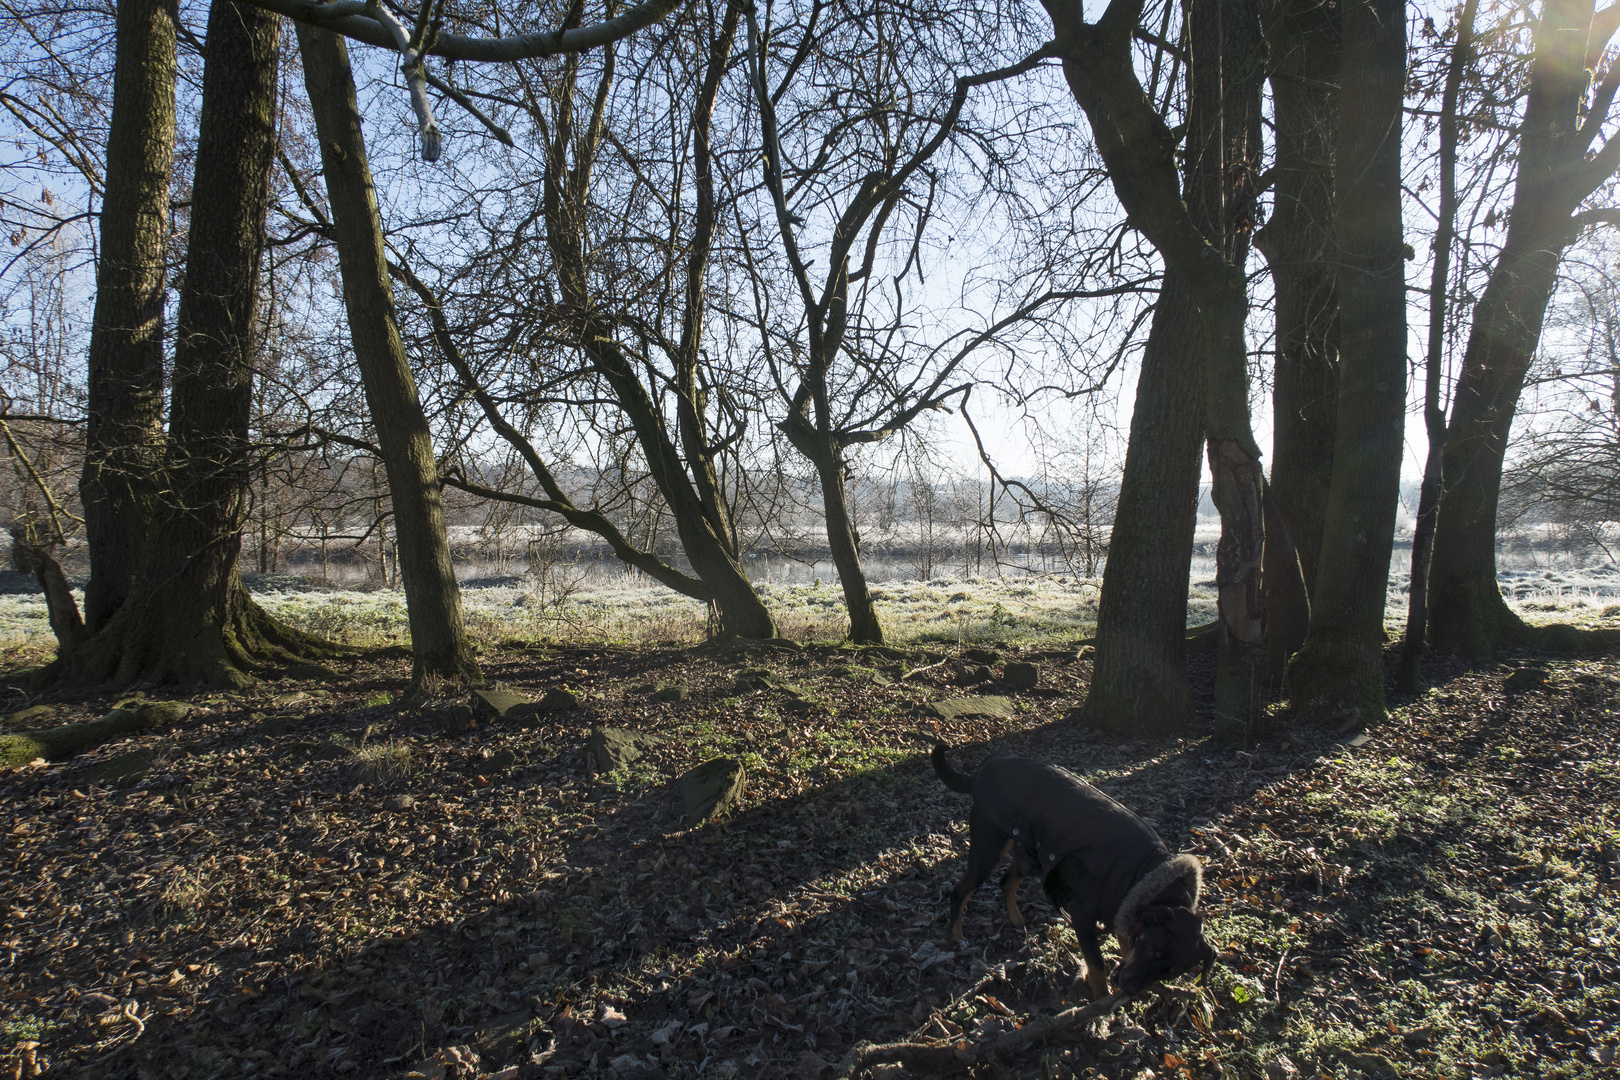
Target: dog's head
x,y
1164,943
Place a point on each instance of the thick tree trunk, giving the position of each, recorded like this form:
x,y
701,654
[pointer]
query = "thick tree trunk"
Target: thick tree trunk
x,y
124,405
1434,416
1339,672
1468,614
1304,40
440,651
1225,73
189,619
1207,244
1139,673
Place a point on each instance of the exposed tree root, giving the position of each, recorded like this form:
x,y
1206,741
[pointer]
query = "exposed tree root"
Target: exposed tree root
x,y
59,742
1472,619
956,1056
160,636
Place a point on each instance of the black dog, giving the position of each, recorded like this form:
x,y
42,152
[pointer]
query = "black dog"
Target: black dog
x,y
1100,865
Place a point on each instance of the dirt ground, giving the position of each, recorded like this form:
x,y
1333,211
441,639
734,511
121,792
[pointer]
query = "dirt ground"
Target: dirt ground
x,y
308,880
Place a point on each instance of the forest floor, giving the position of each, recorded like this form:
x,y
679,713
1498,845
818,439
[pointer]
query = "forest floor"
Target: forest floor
x,y
307,880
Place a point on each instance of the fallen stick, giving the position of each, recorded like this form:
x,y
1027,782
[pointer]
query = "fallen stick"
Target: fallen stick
x,y
955,1056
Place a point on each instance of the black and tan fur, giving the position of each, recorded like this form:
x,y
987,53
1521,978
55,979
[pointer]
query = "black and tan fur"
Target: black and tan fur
x,y
1099,863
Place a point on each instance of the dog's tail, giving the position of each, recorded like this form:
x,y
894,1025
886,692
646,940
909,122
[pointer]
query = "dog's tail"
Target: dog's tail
x,y
954,780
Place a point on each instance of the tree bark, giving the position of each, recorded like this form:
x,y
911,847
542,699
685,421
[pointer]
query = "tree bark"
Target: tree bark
x,y
124,403
32,557
1139,672
189,618
1304,39
1139,151
1434,416
1339,672
1555,175
441,654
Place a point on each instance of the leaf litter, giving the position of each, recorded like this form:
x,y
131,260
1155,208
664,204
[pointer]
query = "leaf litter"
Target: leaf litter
x,y
308,880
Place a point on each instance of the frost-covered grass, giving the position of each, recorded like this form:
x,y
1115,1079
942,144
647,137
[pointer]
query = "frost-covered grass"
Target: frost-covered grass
x,y
628,608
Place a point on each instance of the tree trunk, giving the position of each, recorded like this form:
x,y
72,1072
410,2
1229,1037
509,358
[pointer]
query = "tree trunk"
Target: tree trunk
x,y
124,404
32,557
1223,147
1225,73
1339,672
1434,416
1304,40
821,449
1139,673
189,618
706,538
440,651
1555,175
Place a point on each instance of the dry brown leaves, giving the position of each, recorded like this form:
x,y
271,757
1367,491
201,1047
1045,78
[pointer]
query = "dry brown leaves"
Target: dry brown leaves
x,y
254,907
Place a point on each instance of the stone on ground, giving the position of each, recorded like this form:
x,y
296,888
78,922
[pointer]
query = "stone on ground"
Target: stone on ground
x,y
993,706
613,748
558,699
712,789
495,702
1021,676
673,692
974,674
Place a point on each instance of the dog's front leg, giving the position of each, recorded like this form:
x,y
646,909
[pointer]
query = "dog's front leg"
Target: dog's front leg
x,y
1096,974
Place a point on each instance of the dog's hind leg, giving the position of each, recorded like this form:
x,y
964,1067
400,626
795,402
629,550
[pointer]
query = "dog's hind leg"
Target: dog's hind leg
x,y
986,845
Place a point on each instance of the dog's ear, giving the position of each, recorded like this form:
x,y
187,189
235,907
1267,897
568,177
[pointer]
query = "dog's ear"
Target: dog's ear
x,y
1157,915
1208,962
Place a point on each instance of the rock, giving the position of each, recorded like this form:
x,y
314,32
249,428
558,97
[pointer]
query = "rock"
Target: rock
x,y
974,674
749,680
612,748
494,702
1281,1069
711,789
673,692
981,656
558,699
398,803
1525,680
272,727
1021,676
503,1039
121,769
994,706
497,763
